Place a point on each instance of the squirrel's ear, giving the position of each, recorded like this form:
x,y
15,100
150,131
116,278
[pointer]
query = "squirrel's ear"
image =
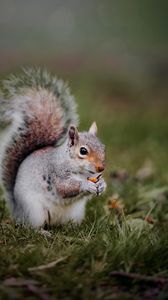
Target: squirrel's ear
x,y
93,128
73,135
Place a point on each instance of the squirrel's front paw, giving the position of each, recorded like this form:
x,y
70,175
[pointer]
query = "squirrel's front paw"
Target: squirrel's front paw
x,y
101,186
89,186
93,188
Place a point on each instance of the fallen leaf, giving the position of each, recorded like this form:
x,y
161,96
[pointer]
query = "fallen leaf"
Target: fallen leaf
x,y
149,219
114,202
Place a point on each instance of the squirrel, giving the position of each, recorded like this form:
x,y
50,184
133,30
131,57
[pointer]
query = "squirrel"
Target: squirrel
x,y
45,162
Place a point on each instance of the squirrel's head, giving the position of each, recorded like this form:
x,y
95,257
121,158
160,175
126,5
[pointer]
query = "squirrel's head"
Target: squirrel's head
x,y
86,150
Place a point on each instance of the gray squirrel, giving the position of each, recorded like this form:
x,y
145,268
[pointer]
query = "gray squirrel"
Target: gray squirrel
x,y
46,164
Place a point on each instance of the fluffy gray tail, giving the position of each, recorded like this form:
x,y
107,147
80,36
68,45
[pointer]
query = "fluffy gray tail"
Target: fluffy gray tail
x,y
38,109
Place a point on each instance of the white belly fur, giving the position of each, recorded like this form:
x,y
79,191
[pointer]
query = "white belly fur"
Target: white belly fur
x,y
74,211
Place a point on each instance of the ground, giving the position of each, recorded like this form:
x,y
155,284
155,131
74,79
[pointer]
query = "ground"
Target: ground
x,y
121,249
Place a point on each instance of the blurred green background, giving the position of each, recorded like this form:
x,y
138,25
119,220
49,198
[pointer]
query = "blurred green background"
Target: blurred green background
x,y
127,39
114,56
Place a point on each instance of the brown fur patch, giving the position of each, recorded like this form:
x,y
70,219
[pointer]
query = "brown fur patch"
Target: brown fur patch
x,y
94,157
43,126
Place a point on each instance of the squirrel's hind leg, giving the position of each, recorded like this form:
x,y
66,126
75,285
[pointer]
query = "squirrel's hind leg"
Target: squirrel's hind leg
x,y
30,209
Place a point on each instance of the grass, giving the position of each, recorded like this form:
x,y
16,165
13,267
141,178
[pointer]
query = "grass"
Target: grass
x,y
115,253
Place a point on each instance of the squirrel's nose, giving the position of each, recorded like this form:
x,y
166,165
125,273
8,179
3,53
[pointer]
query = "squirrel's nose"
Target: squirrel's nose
x,y
100,167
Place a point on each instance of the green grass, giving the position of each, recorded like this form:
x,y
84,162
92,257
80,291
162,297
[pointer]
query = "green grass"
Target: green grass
x,y
110,239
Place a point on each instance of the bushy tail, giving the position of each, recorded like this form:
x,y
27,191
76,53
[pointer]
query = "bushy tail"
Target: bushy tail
x,y
39,108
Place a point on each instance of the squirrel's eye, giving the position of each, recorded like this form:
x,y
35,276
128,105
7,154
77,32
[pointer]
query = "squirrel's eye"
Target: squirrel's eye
x,y
83,151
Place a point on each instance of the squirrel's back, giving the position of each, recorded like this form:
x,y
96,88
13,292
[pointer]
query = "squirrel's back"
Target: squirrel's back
x,y
39,108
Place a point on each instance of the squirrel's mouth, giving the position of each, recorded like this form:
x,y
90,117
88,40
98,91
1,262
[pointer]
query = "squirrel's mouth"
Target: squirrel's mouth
x,y
91,172
96,174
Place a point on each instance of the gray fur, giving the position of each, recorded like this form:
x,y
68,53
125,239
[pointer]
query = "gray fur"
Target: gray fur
x,y
35,78
50,184
41,176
